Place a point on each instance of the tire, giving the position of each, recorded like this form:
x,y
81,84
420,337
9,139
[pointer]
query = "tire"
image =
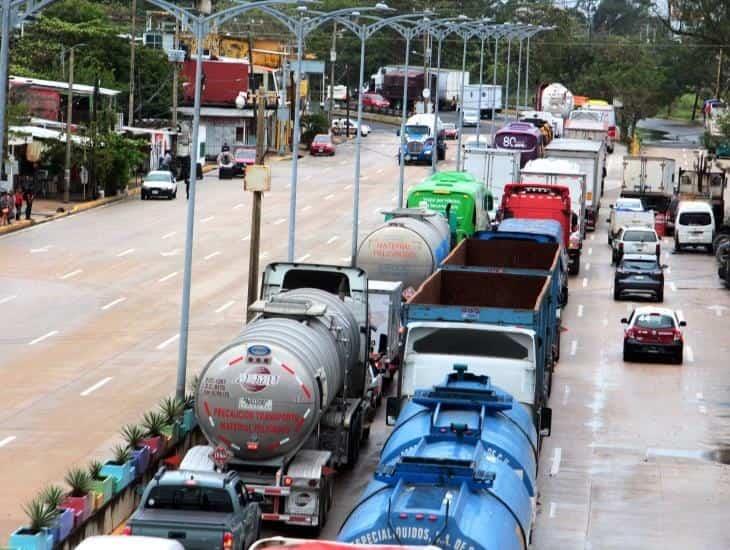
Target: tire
x,y
660,296
142,196
174,195
613,258
679,357
575,267
610,239
628,356
616,294
677,246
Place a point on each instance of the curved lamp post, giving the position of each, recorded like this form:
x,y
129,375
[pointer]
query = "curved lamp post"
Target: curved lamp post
x,y
465,32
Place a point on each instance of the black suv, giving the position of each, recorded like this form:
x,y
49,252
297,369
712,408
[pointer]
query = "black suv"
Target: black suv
x,y
640,274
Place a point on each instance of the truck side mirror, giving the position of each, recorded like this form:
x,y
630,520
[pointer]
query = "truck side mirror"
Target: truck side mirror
x,y
392,410
546,421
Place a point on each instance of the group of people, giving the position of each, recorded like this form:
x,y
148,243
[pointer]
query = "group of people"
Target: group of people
x,y
11,205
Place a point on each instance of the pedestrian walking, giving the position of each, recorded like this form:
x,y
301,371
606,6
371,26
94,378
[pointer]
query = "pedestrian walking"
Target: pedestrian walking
x,y
29,196
5,203
18,203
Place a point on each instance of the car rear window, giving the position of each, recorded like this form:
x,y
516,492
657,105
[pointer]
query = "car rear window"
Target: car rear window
x,y
321,139
640,265
695,218
634,236
654,321
182,497
157,177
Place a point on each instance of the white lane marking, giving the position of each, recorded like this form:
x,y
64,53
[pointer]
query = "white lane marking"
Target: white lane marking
x,y
593,237
328,169
690,354
303,258
585,282
343,162
126,252
380,170
553,509
377,210
41,338
717,308
173,252
225,306
7,440
7,299
673,286
557,456
212,255
605,322
348,186
588,266
680,315
206,220
113,303
96,386
332,239
346,259
329,197
308,207
668,270
247,237
39,250
71,274
169,341
566,393
279,221
239,205
264,255
580,310
167,277
168,235
700,397
590,251
573,347
702,409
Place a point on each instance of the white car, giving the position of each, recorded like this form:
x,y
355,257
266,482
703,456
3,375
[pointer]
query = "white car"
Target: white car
x,y
694,225
339,126
470,117
635,240
159,183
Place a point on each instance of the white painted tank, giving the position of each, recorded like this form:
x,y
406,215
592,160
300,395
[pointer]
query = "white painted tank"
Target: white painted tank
x,y
558,100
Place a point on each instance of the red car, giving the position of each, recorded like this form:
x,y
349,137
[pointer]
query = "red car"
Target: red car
x,y
371,99
653,332
450,130
243,157
322,145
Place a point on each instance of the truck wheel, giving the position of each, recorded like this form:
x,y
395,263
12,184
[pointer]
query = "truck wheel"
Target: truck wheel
x,y
610,239
353,448
660,296
616,294
575,267
677,246
679,357
628,356
324,502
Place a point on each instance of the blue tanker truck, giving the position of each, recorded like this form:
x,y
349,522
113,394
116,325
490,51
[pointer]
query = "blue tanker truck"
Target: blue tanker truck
x,y
500,324
458,472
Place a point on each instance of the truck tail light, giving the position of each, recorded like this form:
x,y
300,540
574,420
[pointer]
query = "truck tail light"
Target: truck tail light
x,y
612,132
288,481
127,531
227,540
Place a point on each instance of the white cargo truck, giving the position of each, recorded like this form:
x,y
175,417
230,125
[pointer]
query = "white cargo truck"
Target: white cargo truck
x,y
590,156
495,167
553,171
491,99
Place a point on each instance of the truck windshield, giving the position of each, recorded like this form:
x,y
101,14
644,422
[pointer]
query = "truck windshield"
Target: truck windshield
x,y
418,130
181,497
447,341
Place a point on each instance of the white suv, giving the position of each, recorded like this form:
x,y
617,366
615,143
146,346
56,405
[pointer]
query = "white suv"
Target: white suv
x,y
159,183
694,225
635,240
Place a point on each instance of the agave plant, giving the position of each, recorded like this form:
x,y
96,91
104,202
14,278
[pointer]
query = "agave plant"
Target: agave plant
x,y
40,515
153,423
121,455
192,388
79,480
95,469
53,496
133,435
172,409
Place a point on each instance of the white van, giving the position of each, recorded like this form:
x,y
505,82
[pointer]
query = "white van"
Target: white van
x,y
111,542
694,225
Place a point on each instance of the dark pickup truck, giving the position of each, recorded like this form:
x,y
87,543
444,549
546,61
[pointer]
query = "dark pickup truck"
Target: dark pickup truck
x,y
201,510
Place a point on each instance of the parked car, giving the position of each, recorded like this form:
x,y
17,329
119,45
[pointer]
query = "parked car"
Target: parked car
x,y
225,165
450,130
340,125
639,274
322,145
635,240
243,157
654,332
204,509
694,225
158,183
377,101
470,117
112,542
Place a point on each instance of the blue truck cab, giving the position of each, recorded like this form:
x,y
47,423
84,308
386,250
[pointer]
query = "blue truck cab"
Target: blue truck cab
x,y
419,142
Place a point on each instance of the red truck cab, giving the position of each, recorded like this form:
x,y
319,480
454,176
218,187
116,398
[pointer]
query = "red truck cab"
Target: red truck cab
x,y
547,202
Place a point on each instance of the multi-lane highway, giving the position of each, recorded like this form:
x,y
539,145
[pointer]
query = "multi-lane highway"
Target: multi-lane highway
x,y
91,309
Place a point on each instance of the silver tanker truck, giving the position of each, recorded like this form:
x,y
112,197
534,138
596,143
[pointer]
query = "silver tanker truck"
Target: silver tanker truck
x,y
285,403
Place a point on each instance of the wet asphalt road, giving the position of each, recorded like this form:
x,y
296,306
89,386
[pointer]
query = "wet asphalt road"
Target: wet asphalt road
x,y
91,309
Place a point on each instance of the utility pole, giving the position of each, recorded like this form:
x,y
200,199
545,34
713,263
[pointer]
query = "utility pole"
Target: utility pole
x,y
719,74
69,112
333,58
130,116
253,257
175,76
249,40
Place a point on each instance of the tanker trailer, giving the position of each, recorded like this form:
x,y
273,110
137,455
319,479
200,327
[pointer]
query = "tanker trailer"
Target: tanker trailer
x,y
466,479
408,247
283,402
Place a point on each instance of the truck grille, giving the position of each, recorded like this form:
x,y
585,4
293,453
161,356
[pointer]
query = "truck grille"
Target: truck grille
x,y
415,147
